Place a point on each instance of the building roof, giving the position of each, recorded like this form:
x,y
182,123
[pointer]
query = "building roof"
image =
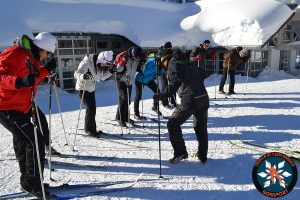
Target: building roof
x,y
148,22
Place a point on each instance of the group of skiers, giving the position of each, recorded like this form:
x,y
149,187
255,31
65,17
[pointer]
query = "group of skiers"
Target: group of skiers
x,y
21,72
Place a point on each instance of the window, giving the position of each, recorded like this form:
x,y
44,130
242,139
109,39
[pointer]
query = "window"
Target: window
x,y
102,45
116,45
64,43
65,52
80,43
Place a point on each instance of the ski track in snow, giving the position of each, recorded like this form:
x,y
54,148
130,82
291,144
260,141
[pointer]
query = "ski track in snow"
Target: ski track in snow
x,y
268,114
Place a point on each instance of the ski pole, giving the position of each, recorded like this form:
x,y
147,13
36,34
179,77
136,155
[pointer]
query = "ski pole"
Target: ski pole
x,y
143,103
143,94
158,124
128,102
50,104
215,70
40,127
119,107
248,68
58,105
33,118
82,96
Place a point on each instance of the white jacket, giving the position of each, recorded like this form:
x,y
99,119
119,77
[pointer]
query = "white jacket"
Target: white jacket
x,y
97,76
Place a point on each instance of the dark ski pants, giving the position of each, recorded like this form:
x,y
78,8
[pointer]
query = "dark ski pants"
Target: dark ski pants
x,y
139,90
22,129
89,101
164,85
231,82
179,116
123,101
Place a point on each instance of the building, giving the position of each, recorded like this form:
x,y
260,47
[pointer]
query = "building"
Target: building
x,y
280,51
72,47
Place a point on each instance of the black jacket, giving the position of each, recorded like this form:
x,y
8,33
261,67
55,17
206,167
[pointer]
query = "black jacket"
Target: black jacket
x,y
187,78
204,54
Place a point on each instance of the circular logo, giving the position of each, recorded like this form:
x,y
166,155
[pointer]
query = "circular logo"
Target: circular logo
x,y
274,174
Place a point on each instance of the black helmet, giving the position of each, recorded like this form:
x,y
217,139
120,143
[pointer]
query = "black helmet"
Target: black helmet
x,y
136,52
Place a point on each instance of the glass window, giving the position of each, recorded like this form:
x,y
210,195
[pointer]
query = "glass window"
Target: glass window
x,y
80,43
77,61
102,45
65,51
116,45
64,43
80,51
66,62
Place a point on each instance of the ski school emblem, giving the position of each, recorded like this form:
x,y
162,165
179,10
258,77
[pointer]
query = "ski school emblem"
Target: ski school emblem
x,y
274,174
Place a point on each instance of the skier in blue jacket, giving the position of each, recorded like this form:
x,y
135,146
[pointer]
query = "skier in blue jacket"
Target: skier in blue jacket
x,y
146,76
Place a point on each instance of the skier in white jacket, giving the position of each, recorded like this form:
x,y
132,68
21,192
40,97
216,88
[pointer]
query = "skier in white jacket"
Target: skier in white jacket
x,y
93,68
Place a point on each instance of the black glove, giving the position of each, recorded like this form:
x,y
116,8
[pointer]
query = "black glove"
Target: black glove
x,y
51,64
112,68
87,75
52,78
27,81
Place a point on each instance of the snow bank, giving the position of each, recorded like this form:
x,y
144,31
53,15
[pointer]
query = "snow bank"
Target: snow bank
x,y
271,74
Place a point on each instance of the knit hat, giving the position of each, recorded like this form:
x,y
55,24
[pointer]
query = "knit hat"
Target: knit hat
x,y
136,52
168,45
166,54
46,41
244,52
105,56
206,42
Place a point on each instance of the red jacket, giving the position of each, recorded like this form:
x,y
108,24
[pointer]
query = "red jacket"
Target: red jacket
x,y
12,66
121,59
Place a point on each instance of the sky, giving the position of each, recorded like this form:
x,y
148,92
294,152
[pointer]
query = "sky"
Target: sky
x,y
266,110
148,23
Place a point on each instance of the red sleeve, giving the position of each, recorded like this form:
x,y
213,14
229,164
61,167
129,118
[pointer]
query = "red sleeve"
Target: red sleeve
x,y
121,59
9,66
43,72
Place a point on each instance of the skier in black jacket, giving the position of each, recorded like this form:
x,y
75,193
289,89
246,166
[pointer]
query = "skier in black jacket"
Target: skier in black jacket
x,y
187,78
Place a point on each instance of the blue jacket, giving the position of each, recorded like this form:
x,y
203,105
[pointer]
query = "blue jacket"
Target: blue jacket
x,y
149,72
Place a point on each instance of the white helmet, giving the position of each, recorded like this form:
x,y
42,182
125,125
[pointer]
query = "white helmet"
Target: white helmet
x,y
46,41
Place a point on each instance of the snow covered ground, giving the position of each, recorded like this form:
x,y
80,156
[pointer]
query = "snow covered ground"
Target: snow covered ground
x,y
268,114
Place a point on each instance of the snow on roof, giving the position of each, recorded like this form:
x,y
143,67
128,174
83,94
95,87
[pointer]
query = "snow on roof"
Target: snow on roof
x,y
239,22
148,23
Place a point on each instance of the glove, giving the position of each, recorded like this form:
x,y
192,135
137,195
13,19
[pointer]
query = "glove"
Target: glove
x,y
87,75
198,57
51,64
52,78
27,81
213,54
112,68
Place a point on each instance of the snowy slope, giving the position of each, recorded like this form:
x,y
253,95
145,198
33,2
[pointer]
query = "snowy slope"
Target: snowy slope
x,y
148,23
268,114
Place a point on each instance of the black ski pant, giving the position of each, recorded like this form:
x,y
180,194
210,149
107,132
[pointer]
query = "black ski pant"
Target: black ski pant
x,y
231,82
22,129
139,90
179,116
164,85
89,101
122,111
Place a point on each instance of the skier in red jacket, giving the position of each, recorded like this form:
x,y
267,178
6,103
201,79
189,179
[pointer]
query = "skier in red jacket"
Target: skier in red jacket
x,y
16,81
